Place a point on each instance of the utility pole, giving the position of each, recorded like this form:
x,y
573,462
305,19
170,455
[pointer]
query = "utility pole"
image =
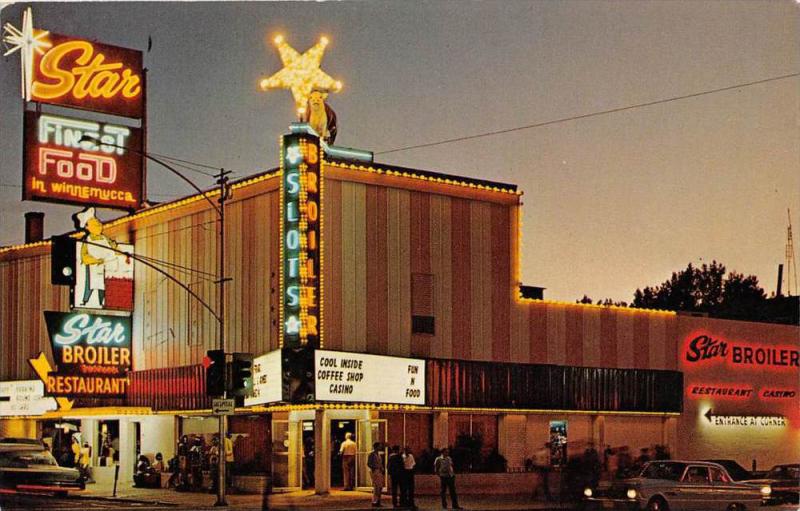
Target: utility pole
x,y
222,181
791,268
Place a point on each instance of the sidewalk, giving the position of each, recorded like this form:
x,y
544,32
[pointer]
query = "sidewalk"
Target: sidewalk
x,y
306,500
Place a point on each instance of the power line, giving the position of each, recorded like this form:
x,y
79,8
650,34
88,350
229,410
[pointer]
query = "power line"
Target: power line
x,y
586,116
202,165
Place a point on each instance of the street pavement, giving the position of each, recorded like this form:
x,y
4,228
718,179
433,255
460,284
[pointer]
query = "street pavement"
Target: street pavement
x,y
157,499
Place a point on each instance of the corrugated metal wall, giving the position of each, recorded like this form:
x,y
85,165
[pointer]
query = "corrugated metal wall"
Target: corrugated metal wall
x,y
375,237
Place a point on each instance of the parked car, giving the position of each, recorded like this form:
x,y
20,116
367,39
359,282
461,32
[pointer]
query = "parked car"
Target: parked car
x,y
29,467
736,471
676,486
783,482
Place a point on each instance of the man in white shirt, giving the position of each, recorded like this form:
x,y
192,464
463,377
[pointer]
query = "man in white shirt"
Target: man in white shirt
x,y
407,488
348,451
443,467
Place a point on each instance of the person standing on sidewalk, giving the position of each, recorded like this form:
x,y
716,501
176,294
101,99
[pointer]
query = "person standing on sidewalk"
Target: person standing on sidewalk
x,y
229,460
375,464
348,452
397,474
541,464
443,467
407,488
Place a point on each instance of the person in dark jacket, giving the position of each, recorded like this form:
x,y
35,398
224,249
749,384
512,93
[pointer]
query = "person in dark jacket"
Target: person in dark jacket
x,y
397,473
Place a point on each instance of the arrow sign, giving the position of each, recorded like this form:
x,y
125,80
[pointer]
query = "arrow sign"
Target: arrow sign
x,y
42,367
744,420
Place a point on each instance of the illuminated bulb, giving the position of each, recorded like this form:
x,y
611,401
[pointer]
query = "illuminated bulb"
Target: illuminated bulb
x,y
337,85
301,73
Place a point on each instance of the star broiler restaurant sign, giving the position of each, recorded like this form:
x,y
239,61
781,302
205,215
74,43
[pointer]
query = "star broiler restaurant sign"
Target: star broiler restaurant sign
x,y
92,353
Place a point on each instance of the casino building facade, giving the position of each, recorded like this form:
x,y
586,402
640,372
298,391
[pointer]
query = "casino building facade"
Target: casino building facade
x,y
421,268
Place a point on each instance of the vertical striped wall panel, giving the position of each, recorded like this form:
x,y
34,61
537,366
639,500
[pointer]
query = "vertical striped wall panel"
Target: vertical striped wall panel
x,y
398,272
481,280
461,262
419,238
332,264
354,255
500,283
375,237
441,268
377,325
25,292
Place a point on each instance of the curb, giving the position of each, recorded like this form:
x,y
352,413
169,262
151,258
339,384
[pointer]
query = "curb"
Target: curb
x,y
126,499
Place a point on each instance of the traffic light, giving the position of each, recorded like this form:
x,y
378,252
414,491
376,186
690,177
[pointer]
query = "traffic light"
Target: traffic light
x,y
241,375
62,261
215,372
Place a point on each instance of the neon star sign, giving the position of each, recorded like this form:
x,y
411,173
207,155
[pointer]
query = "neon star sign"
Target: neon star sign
x,y
74,72
28,41
301,73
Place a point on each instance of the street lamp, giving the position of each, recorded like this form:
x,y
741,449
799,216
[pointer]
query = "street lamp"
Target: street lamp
x,y
222,181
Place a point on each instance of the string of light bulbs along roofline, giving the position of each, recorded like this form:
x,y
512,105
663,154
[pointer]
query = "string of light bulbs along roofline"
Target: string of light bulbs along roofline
x,y
585,116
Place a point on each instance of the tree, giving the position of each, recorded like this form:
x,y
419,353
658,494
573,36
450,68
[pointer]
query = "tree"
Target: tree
x,y
705,289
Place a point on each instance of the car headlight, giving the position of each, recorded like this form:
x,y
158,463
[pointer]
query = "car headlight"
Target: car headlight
x,y
631,493
587,492
766,491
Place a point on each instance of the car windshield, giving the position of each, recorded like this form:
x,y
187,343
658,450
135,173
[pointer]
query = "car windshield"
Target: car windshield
x,y
784,472
25,458
670,471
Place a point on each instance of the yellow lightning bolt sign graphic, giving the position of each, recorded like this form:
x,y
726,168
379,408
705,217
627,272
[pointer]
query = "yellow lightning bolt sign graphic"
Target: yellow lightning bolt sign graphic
x,y
301,73
42,367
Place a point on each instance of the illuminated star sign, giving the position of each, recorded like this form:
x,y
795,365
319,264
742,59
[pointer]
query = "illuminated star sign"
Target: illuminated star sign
x,y
28,40
301,73
293,325
293,154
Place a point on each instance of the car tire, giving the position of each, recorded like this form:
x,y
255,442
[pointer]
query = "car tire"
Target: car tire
x,y
657,504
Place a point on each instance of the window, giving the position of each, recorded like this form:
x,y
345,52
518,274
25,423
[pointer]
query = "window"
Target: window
x,y
696,475
662,470
422,320
718,476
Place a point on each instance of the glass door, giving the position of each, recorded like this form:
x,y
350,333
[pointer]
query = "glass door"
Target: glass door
x,y
369,432
287,464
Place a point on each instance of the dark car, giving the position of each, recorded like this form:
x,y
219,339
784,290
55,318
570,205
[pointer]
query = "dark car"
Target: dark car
x,y
783,482
30,467
736,471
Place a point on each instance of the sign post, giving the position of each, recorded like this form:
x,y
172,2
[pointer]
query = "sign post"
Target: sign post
x,y
222,406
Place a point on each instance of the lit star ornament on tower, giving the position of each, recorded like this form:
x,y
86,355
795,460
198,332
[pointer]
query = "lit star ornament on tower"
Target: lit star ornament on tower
x,y
27,40
301,73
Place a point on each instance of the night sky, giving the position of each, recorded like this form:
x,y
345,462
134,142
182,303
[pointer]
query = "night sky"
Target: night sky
x,y
611,202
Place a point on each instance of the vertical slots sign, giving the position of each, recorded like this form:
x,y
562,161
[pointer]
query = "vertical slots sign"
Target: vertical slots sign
x,y
301,243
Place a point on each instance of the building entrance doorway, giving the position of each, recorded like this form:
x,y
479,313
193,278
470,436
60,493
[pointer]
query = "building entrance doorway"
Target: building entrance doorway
x,y
339,429
308,453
